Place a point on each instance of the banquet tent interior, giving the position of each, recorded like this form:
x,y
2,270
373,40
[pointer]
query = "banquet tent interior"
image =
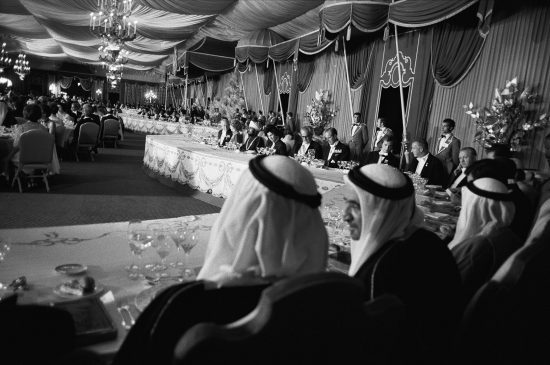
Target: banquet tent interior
x,y
413,63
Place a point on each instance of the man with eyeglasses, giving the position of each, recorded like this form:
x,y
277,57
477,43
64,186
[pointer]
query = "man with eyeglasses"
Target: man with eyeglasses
x,y
308,143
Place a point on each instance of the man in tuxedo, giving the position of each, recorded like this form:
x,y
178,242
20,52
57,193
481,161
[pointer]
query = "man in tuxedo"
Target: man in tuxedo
x,y
467,156
87,116
384,156
382,131
425,164
448,146
359,139
338,151
308,143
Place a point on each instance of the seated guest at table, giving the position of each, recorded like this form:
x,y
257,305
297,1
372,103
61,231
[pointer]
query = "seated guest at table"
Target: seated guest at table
x,y
224,134
391,253
290,140
270,226
337,151
274,142
75,110
253,141
237,130
483,238
384,155
308,144
466,157
32,113
382,131
425,164
45,118
87,116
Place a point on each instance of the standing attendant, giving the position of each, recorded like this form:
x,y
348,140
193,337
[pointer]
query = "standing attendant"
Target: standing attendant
x,y
448,146
359,139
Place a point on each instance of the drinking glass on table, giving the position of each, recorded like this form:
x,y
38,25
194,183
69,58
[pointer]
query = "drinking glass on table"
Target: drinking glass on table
x,y
139,238
178,234
161,245
191,241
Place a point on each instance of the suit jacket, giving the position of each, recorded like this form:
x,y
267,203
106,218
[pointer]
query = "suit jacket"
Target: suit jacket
x,y
227,137
449,155
92,118
341,153
312,146
252,143
373,157
280,147
433,170
358,142
455,175
377,144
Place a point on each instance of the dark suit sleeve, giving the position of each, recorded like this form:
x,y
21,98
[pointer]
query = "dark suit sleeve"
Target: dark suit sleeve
x,y
365,133
318,151
439,172
345,156
455,151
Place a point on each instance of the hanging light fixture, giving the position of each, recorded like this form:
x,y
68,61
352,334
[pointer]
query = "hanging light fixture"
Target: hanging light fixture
x,y
113,26
5,61
21,66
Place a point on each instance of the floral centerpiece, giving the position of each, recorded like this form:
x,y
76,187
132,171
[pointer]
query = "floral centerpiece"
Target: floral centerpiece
x,y
318,113
510,118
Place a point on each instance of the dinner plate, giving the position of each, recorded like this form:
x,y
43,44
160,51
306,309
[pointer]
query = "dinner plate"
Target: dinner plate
x,y
57,291
71,269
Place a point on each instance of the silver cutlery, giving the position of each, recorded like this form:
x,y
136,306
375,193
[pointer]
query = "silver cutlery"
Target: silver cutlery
x,y
126,308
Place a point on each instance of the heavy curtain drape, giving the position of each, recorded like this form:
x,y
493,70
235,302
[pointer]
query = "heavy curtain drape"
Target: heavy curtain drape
x,y
65,82
457,43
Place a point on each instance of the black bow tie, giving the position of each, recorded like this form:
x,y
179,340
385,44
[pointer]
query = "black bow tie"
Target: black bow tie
x,y
443,136
383,154
356,124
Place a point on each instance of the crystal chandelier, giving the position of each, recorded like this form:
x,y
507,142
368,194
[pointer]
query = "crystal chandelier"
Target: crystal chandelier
x,y
113,26
21,66
150,95
5,61
107,56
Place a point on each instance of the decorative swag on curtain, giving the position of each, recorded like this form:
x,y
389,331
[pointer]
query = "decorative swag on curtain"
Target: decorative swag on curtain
x,y
66,82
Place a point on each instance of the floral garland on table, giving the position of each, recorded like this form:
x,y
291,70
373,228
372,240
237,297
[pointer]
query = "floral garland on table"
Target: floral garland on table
x,y
318,113
510,119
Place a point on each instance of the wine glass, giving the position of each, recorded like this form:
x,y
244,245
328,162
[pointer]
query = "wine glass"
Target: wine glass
x,y
161,245
139,238
178,234
191,241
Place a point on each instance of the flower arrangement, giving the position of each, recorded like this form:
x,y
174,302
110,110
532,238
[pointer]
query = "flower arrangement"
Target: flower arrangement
x,y
318,112
510,118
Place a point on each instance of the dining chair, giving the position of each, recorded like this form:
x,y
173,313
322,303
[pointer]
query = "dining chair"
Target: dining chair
x,y
110,131
35,154
309,319
87,139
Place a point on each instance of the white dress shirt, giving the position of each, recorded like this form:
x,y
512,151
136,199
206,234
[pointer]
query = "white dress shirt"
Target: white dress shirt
x,y
459,178
382,157
303,149
332,148
421,162
354,129
444,141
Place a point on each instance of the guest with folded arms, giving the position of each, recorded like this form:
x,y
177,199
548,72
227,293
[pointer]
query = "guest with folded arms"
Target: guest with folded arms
x,y
270,227
337,150
483,238
384,155
224,134
308,144
274,142
253,141
392,253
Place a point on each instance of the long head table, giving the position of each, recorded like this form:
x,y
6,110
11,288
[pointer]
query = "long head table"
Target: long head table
x,y
139,123
211,169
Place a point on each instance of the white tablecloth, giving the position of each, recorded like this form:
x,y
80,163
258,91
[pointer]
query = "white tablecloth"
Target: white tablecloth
x,y
138,123
211,169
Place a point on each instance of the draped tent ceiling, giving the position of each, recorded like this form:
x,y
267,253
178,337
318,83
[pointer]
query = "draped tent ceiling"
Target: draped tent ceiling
x,y
59,29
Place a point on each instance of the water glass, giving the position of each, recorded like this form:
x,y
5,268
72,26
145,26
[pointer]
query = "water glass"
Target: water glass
x,y
162,246
139,239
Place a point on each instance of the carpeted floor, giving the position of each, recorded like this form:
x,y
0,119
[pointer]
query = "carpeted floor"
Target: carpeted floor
x,y
113,188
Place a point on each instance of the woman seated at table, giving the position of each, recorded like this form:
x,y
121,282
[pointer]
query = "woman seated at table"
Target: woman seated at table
x,y
483,238
253,141
270,227
237,131
391,253
274,142
32,113
224,134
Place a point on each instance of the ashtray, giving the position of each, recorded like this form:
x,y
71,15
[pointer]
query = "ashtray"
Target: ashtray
x,y
71,269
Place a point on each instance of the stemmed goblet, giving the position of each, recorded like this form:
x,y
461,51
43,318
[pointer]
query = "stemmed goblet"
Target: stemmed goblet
x,y
139,238
161,245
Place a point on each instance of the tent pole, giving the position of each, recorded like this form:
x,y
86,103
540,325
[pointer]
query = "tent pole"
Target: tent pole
x,y
206,93
244,91
166,93
259,90
182,97
278,93
402,98
347,80
186,79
